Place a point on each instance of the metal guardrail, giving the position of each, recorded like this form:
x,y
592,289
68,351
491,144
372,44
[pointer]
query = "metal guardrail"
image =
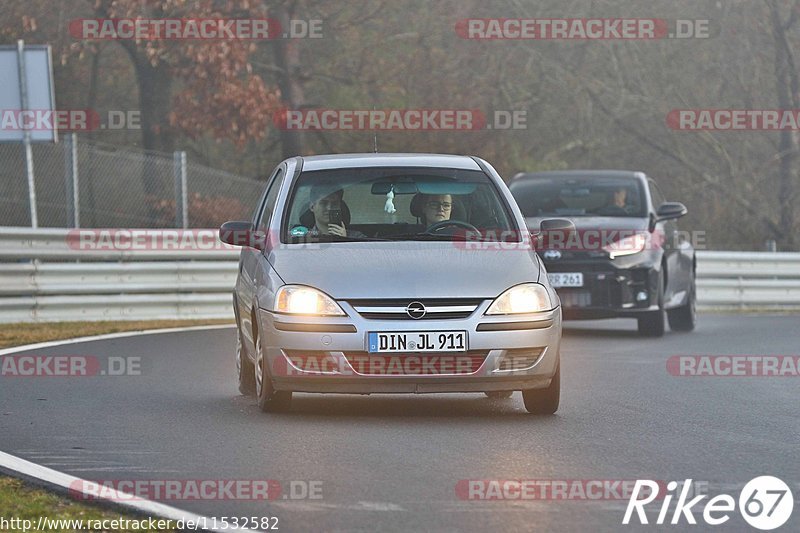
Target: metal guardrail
x,y
51,275
112,245
748,280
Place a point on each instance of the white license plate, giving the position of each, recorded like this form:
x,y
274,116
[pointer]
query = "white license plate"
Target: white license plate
x,y
417,341
565,279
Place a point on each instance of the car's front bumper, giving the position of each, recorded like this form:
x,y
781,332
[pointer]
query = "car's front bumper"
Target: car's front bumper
x,y
520,353
608,290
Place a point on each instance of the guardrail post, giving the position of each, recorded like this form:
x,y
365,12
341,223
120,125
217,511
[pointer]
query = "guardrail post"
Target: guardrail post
x,y
181,200
71,177
23,91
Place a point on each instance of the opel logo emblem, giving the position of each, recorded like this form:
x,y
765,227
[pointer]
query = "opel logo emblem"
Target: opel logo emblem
x,y
552,254
416,310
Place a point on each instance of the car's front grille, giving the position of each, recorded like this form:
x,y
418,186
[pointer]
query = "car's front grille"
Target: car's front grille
x,y
421,364
573,298
435,308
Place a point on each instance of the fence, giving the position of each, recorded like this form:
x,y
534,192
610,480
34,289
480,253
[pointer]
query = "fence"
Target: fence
x,y
44,278
119,187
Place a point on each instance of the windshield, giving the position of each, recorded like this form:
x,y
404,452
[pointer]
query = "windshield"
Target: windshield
x,y
579,197
395,204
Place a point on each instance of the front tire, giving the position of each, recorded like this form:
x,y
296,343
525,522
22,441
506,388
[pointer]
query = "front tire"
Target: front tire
x,y
544,401
269,400
245,370
653,323
684,318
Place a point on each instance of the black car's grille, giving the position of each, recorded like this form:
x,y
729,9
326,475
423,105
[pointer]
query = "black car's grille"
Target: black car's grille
x,y
436,308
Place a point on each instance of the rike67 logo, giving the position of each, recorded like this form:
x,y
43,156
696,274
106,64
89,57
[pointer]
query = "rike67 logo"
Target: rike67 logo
x,y
765,503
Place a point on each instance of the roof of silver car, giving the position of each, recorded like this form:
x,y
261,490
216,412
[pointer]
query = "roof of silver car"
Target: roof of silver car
x,y
324,162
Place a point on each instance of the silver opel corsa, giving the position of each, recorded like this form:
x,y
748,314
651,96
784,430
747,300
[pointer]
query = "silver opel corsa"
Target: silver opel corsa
x,y
393,273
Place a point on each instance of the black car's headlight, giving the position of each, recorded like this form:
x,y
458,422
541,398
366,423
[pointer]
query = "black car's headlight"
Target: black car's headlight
x,y
632,244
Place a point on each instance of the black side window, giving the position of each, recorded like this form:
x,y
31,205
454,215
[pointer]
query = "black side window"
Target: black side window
x,y
272,198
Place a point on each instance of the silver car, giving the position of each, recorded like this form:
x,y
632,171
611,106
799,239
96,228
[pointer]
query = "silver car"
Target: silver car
x,y
392,273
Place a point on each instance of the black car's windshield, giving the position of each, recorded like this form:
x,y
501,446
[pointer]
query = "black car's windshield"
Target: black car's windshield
x,y
395,203
580,197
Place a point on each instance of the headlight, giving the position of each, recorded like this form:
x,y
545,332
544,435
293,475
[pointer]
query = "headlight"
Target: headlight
x,y
632,244
299,300
525,298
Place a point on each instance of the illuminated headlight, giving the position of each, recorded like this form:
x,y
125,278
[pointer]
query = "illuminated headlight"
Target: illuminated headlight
x,y
632,244
299,300
525,298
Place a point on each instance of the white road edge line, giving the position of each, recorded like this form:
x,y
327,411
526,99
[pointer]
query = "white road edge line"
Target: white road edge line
x,y
26,469
73,485
106,336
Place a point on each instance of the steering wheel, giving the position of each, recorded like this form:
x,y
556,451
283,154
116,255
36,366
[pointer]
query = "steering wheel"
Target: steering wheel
x,y
448,223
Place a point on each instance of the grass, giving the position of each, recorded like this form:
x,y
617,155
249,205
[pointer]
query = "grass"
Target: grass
x,y
18,500
17,334
23,502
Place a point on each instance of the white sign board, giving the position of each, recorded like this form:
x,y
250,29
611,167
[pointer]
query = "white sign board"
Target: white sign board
x,y
38,69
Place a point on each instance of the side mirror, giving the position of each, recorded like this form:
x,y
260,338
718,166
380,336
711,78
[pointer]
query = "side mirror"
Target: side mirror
x,y
671,210
241,233
554,232
551,225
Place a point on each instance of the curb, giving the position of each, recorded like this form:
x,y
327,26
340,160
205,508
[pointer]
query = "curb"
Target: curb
x,y
65,484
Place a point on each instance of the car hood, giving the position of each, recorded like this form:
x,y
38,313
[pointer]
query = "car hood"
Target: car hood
x,y
405,269
602,223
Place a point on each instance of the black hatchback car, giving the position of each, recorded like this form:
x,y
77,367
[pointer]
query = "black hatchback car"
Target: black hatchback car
x,y
626,257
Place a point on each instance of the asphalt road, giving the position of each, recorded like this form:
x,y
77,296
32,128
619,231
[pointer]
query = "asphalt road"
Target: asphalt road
x,y
394,462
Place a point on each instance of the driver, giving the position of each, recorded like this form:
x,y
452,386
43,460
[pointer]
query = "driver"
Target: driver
x,y
619,197
617,202
325,199
436,208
